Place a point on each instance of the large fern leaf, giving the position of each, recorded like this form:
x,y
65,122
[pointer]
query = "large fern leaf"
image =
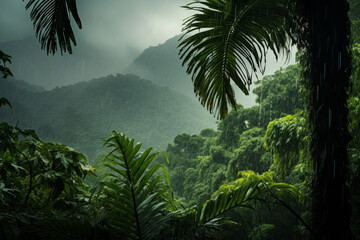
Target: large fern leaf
x,y
141,203
137,195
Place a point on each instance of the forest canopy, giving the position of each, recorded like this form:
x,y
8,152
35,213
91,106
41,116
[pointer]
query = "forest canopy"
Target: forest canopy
x,y
269,171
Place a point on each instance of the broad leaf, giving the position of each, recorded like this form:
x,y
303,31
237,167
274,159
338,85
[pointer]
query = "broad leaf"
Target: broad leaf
x,y
226,42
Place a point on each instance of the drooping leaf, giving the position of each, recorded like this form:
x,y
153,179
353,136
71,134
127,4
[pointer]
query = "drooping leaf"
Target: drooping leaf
x,y
226,42
242,193
4,102
51,19
4,58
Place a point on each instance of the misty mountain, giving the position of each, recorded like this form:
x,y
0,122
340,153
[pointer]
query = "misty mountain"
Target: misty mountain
x,y
79,115
88,61
162,65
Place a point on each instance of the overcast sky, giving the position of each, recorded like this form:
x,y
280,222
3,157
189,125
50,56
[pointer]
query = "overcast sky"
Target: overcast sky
x,y
134,23
116,27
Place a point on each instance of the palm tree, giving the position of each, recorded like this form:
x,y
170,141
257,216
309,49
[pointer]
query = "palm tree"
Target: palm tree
x,y
330,58
231,44
225,41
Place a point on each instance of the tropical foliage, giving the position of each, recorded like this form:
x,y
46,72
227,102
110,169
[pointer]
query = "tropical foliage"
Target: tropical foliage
x,y
137,198
287,139
226,42
37,179
44,182
141,205
44,192
311,25
4,58
202,163
52,23
79,114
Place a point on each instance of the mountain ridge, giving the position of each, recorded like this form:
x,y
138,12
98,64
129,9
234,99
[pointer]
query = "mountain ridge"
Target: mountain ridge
x,y
80,114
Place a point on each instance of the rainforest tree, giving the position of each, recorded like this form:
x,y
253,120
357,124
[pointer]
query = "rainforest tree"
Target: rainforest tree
x,y
229,46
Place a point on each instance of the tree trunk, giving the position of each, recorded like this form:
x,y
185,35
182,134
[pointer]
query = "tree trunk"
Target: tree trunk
x,y
330,61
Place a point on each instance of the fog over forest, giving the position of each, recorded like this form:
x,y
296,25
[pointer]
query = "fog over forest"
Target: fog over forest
x,y
180,119
114,34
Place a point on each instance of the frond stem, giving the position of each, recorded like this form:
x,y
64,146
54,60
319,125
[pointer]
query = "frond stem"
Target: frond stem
x,y
132,190
230,33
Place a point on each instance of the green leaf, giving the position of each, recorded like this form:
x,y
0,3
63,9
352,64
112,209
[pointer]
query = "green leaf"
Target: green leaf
x,y
4,102
52,23
4,58
225,42
136,195
242,193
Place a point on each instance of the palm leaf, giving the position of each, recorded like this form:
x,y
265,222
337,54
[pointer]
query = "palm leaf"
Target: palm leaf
x,y
242,193
137,196
4,101
4,58
52,23
141,203
226,41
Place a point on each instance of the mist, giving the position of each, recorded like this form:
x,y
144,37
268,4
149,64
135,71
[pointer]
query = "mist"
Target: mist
x,y
109,23
114,35
132,136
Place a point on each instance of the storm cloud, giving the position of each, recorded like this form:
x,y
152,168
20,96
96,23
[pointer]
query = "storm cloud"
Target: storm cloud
x,y
134,24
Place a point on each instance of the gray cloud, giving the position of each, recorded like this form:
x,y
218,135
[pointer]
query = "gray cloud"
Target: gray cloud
x,y
134,24
14,21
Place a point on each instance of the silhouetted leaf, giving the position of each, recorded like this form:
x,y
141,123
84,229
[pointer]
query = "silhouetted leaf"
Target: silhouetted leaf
x,y
4,102
52,23
227,41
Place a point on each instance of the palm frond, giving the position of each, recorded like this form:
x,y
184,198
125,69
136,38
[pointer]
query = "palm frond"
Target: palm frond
x,y
52,23
226,41
4,58
242,193
137,195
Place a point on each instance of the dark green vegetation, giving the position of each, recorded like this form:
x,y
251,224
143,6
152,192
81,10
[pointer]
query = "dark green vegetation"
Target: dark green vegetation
x,y
271,136
212,165
44,195
213,157
80,114
225,42
303,141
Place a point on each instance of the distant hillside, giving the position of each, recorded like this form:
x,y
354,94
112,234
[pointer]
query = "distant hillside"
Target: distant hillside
x,y
88,61
162,65
80,114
